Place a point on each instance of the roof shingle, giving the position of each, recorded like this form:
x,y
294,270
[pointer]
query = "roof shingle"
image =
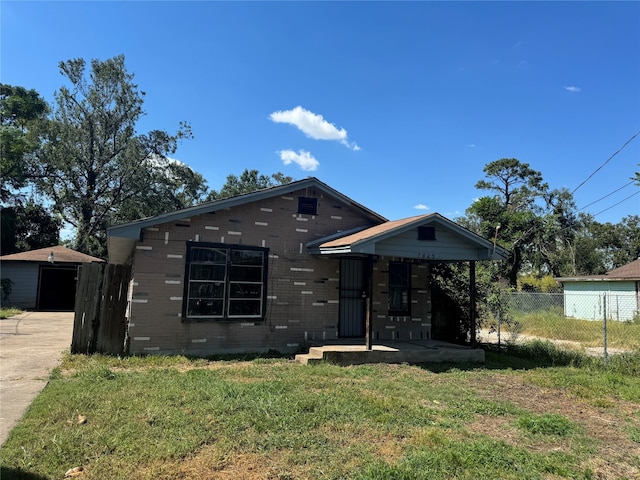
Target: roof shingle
x,y
60,254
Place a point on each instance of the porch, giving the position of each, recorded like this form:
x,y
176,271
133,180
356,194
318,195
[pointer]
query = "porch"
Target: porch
x,y
345,352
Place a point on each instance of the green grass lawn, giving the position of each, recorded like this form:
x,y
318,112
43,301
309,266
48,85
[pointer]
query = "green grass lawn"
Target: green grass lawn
x,y
539,415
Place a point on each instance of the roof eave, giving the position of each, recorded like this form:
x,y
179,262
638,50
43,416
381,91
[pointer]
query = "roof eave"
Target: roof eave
x,y
133,230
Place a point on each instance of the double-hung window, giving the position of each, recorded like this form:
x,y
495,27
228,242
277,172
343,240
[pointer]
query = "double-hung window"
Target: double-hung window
x,y
224,281
399,288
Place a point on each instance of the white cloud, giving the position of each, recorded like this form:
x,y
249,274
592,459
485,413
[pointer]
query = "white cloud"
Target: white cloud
x,y
471,145
303,159
572,89
313,125
421,206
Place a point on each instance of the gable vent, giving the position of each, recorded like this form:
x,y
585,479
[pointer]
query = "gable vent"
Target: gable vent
x,y
426,233
308,205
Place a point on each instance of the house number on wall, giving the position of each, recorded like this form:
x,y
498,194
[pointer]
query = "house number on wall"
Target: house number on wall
x,y
429,256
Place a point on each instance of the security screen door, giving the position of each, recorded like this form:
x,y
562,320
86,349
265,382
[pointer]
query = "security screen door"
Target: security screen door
x,y
351,301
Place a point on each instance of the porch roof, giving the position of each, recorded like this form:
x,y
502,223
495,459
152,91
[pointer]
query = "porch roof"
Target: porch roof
x,y
401,238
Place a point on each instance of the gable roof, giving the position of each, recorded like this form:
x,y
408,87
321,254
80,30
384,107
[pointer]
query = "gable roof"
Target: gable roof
x,y
122,238
60,255
380,239
628,272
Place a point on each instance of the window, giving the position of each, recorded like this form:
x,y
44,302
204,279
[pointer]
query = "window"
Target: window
x,y
399,288
225,281
308,205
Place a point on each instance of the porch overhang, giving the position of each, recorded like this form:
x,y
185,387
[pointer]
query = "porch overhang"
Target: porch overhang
x,y
447,242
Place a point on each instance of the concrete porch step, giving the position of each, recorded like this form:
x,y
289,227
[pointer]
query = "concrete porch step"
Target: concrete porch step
x,y
315,355
401,353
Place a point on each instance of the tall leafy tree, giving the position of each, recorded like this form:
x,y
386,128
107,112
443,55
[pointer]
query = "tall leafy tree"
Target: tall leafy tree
x,y
511,215
174,185
615,244
93,162
249,181
552,251
21,112
28,226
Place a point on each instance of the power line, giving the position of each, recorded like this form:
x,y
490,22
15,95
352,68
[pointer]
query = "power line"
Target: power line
x,y
607,195
616,204
607,161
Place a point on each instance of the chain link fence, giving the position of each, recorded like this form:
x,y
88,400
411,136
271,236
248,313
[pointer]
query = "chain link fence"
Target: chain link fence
x,y
600,323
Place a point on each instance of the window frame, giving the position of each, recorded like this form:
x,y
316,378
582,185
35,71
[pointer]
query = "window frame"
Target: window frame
x,y
400,288
231,265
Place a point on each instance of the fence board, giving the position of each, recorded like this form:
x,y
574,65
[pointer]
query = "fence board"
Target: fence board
x,y
112,331
101,301
88,293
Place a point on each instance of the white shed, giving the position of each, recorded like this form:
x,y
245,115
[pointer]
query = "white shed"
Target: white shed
x,y
615,294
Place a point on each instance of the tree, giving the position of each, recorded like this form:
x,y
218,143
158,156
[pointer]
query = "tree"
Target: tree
x,y
510,216
21,111
28,226
615,245
553,253
92,162
249,181
517,184
174,185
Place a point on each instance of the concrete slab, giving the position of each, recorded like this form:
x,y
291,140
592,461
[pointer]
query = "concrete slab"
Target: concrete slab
x,y
31,345
392,352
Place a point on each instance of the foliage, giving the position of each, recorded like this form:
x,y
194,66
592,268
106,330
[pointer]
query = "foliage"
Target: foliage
x,y
533,283
277,419
623,243
510,216
28,226
516,184
92,161
249,181
450,297
9,312
545,235
21,111
173,185
7,286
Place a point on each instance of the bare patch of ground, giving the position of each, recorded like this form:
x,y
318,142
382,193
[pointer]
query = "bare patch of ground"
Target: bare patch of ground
x,y
606,425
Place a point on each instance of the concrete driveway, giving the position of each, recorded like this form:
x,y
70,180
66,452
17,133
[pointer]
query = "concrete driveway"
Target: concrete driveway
x,y
31,345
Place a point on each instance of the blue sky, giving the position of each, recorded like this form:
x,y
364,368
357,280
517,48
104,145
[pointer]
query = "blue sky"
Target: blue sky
x,y
398,105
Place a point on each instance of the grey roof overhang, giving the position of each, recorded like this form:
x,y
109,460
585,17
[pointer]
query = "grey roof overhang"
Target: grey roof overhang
x,y
121,238
365,240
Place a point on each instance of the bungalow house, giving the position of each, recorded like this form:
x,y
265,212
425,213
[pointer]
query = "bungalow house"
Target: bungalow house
x,y
42,279
282,267
615,294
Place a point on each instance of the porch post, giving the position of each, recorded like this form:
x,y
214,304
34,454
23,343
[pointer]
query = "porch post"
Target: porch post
x,y
472,302
368,294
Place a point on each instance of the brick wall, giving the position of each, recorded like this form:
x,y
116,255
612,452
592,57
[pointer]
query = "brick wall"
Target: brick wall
x,y
302,290
416,326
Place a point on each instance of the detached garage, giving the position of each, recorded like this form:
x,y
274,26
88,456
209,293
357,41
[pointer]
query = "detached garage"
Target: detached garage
x,y
43,279
615,294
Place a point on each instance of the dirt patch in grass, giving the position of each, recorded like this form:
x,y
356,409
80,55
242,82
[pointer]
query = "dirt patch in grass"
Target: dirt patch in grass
x,y
210,464
606,425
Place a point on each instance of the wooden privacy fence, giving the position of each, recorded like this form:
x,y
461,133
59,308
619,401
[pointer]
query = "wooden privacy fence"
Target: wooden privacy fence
x,y
100,324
